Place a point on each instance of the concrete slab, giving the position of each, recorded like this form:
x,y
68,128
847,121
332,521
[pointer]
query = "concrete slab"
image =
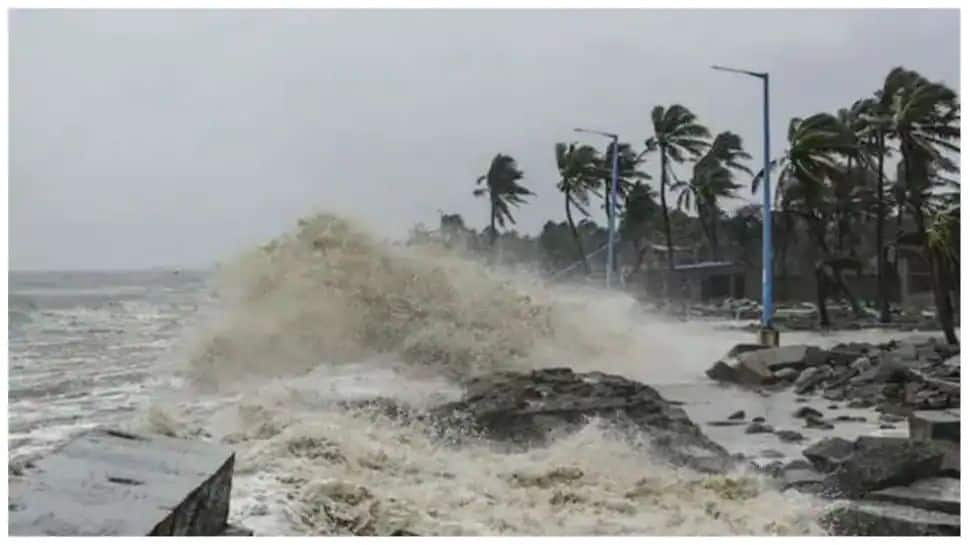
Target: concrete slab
x,y
935,426
870,518
109,483
934,494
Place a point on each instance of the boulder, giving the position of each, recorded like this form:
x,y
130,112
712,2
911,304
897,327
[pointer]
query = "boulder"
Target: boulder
x,y
723,371
805,412
880,462
524,409
828,454
753,372
758,427
803,480
934,425
810,377
870,518
737,415
789,436
817,424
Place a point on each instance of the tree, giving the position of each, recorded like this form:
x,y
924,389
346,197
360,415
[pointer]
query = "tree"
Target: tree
x,y
578,176
713,179
503,189
926,119
804,188
638,219
677,136
943,249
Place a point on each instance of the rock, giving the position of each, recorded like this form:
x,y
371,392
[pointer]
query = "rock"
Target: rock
x,y
891,418
722,371
782,357
771,453
805,412
810,378
758,419
827,454
817,424
525,409
863,403
758,427
801,400
834,394
752,371
933,494
880,462
113,483
801,479
868,518
725,423
840,377
861,365
833,407
848,418
789,436
742,348
886,427
737,415
787,374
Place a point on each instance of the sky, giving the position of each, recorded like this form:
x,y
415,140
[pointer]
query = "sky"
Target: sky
x,y
146,139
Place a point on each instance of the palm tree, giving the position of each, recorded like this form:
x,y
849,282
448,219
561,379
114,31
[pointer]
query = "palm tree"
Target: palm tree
x,y
638,217
627,177
677,136
503,189
943,248
577,177
926,121
713,179
805,174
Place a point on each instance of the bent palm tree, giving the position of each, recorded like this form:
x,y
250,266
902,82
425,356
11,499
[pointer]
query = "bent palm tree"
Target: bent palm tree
x,y
712,180
677,136
577,167
503,189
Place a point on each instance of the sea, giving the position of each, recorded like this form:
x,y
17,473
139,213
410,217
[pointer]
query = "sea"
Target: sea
x,y
262,352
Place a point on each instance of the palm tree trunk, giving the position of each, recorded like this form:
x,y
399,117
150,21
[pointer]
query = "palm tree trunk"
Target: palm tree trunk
x,y
663,205
821,282
572,227
492,233
941,299
881,291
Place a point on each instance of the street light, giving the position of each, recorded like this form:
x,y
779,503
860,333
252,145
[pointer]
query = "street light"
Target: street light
x,y
612,204
767,335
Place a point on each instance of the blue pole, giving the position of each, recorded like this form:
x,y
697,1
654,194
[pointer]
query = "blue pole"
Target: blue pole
x,y
612,204
767,278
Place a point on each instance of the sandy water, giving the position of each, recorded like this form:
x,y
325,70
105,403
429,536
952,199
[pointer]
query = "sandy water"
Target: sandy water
x,y
257,356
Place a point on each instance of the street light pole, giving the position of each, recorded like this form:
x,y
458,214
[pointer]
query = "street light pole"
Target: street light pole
x,y
768,335
611,205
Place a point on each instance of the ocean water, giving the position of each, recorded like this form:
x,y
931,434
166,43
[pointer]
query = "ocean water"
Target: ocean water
x,y
259,354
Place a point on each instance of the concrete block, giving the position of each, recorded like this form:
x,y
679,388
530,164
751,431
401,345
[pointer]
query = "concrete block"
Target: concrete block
x,y
933,494
934,426
871,518
110,483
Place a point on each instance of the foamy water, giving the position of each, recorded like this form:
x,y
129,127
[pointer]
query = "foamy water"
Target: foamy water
x,y
328,314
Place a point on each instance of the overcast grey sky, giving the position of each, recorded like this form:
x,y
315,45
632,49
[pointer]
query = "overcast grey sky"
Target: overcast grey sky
x,y
177,138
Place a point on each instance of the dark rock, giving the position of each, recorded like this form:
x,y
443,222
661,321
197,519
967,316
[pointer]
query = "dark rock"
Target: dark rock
x,y
804,480
752,371
801,400
834,394
891,418
725,423
810,378
789,436
758,419
770,453
805,412
503,406
840,377
817,424
833,407
886,427
737,415
722,371
827,454
880,462
848,418
402,533
758,427
863,403
868,518
934,494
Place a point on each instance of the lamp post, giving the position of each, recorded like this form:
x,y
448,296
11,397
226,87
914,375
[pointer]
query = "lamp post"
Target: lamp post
x,y
767,335
612,198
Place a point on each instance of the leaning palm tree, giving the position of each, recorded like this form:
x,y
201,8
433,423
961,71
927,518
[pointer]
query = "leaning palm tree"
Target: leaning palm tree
x,y
677,136
503,189
804,188
577,167
638,219
712,180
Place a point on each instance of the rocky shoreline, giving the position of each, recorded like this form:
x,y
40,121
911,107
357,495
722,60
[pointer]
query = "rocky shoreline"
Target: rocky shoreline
x,y
885,485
